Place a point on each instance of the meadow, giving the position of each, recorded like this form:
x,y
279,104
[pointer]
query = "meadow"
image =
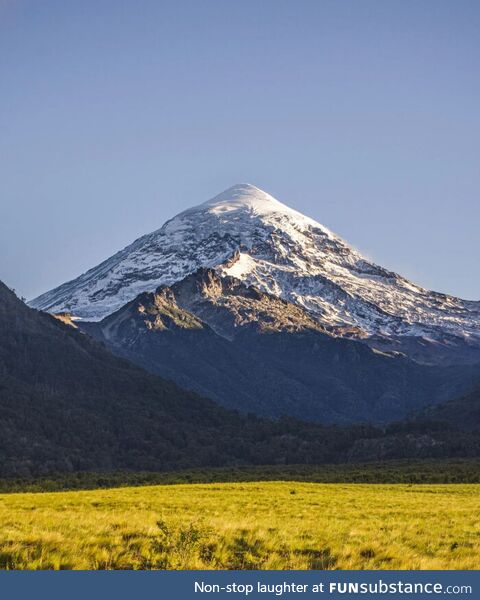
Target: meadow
x,y
244,525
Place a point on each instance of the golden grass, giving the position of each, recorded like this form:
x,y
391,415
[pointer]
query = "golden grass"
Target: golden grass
x,y
268,525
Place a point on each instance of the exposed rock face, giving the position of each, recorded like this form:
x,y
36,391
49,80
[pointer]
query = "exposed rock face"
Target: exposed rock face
x,y
226,304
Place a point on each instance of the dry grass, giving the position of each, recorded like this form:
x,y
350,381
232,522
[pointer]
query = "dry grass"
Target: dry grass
x,y
276,525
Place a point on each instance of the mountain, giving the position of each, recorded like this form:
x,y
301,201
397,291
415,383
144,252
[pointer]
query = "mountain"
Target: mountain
x,y
252,351
246,233
67,404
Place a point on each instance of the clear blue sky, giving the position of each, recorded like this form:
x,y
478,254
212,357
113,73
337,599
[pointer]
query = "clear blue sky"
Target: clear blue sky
x,y
115,115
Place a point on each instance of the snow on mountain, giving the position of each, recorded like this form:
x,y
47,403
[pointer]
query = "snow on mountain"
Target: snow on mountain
x,y
246,233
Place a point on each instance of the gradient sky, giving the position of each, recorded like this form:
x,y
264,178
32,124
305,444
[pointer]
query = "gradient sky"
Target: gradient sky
x,y
115,115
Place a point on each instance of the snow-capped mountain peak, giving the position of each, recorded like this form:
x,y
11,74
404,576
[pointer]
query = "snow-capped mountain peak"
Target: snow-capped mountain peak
x,y
245,195
248,197
245,200
246,233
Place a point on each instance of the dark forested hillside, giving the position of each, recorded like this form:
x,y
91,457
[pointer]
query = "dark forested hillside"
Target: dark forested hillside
x,y
67,404
462,412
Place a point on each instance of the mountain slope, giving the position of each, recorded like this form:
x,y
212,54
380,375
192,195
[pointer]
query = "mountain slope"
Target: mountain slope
x,y
66,404
156,333
462,412
246,233
252,351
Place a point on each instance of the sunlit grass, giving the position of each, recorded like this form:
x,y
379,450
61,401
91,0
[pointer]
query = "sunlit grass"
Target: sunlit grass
x,y
268,525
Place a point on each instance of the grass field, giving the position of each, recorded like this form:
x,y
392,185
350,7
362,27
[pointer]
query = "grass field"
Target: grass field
x,y
278,525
